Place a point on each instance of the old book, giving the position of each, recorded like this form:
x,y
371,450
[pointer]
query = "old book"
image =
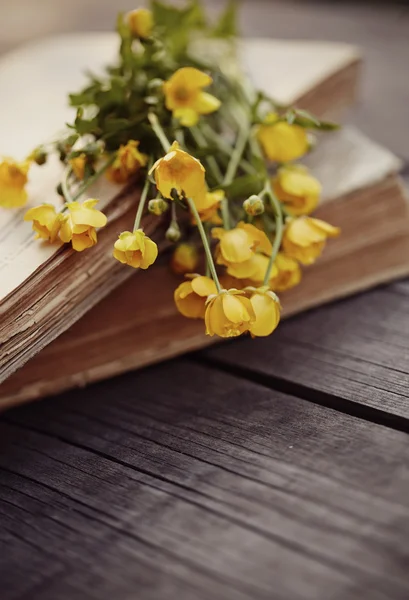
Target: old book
x,y
45,289
138,324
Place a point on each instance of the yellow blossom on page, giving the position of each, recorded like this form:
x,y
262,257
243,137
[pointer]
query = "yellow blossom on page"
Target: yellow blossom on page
x,y
184,95
304,238
79,224
13,179
135,249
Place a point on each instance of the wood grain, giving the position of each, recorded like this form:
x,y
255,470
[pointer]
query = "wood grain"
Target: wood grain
x,y
352,354
181,482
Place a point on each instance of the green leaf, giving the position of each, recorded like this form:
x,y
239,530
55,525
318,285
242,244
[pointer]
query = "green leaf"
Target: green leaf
x,y
244,186
227,23
84,126
305,119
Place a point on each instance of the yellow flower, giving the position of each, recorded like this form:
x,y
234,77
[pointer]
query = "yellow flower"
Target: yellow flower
x,y
79,225
78,166
185,259
13,178
208,208
46,221
253,269
239,244
180,171
185,97
304,238
266,307
128,161
297,189
281,141
135,249
140,22
288,273
228,281
229,314
190,296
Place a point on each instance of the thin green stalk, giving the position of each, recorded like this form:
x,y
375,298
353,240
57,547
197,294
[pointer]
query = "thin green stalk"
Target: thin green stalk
x,y
232,169
64,184
211,161
142,200
207,230
236,156
279,222
94,178
160,134
205,243
226,148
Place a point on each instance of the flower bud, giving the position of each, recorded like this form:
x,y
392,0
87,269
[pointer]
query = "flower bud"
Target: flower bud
x,y
140,22
185,259
158,206
173,233
155,84
39,156
253,206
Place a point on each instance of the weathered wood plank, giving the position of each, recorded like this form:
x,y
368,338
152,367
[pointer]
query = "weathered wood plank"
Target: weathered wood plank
x,y
184,482
350,355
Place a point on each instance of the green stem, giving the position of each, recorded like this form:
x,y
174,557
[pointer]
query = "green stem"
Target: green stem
x,y
207,230
64,184
211,161
236,156
160,134
226,148
94,178
232,169
205,243
142,200
279,221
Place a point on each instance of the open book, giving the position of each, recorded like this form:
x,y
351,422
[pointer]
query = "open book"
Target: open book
x,y
45,289
363,195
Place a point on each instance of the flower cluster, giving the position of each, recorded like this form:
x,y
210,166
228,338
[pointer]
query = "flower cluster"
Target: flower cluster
x,y
216,162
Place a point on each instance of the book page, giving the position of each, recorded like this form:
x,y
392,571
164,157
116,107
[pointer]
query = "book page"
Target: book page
x,y
35,81
49,70
346,161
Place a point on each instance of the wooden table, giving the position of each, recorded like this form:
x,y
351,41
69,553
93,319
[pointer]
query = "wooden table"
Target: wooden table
x,y
268,469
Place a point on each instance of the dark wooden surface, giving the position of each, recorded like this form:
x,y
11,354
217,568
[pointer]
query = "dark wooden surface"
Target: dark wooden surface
x,y
268,469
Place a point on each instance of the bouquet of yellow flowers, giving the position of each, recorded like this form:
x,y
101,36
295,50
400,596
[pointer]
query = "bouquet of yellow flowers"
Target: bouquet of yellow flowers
x,y
215,158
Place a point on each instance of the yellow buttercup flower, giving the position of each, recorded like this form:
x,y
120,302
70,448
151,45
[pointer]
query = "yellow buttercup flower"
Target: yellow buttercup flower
x,y
229,314
78,166
190,296
297,189
46,221
13,179
252,270
209,206
80,224
128,161
228,281
182,172
239,244
266,307
282,142
185,259
185,97
287,275
140,22
135,249
304,238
